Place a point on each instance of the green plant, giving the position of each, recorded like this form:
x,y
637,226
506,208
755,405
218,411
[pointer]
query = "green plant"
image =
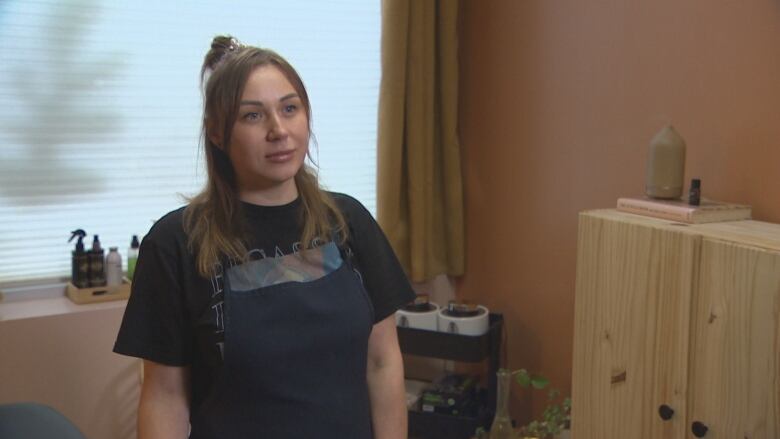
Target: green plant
x,y
526,379
555,417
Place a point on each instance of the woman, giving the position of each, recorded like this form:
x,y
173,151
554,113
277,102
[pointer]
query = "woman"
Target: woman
x,y
263,309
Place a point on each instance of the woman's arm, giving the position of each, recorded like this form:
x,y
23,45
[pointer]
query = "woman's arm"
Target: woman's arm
x,y
163,411
385,375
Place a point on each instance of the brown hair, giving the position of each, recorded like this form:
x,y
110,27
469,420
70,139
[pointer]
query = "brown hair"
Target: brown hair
x,y
213,219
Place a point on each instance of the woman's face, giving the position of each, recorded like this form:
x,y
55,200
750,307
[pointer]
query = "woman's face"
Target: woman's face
x,y
270,136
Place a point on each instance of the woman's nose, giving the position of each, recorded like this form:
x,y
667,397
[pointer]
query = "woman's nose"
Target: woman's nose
x,y
277,130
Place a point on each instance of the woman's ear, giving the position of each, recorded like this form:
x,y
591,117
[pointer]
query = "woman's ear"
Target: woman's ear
x,y
213,135
216,142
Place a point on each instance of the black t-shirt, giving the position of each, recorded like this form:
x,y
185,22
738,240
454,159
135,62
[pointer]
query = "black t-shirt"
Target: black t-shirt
x,y
174,315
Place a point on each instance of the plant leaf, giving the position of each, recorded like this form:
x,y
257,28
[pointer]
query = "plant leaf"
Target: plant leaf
x,y
523,378
539,382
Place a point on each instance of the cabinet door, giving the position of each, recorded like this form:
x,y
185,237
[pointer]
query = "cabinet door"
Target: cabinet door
x,y
632,313
735,357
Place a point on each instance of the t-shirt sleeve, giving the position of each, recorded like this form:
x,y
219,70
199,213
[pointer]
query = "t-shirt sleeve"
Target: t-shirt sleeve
x,y
154,326
383,277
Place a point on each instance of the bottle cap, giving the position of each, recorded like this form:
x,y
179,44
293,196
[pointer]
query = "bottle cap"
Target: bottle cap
x,y
134,242
113,249
695,183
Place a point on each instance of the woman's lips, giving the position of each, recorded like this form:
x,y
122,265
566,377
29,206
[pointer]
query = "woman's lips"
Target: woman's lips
x,y
281,156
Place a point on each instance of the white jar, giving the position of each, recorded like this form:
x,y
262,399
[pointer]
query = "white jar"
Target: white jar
x,y
477,324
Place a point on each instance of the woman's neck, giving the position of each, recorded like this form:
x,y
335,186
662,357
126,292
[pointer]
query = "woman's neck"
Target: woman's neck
x,y
271,196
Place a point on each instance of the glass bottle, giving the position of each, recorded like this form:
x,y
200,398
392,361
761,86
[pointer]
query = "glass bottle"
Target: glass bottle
x,y
502,425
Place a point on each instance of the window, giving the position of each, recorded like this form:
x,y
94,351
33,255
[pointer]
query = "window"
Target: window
x,y
100,111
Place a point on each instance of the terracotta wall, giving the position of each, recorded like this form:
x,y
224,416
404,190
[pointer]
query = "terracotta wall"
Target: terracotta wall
x,y
558,102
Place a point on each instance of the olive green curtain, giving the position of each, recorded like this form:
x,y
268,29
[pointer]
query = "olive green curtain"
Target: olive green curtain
x,y
419,185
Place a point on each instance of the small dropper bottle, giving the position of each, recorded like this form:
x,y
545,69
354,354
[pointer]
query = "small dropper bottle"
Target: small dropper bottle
x,y
694,195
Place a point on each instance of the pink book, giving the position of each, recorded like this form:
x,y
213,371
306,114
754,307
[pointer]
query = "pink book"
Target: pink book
x,y
707,211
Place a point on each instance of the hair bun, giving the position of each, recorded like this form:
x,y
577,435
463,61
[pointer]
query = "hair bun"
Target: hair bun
x,y
221,46
225,43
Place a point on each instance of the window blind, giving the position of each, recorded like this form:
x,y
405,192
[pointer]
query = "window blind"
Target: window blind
x,y
100,111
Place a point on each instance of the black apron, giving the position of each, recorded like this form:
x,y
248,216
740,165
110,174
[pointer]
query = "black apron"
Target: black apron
x,y
294,362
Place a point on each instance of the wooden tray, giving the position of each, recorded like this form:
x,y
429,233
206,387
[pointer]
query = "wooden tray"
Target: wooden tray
x,y
98,294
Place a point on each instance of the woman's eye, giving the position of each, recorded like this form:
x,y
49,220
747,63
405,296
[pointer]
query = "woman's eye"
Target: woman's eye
x,y
252,116
290,108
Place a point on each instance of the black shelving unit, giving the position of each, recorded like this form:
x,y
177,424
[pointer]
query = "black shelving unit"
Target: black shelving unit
x,y
455,347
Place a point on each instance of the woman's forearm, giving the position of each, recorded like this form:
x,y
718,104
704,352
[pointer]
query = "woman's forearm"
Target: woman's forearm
x,y
385,377
388,406
163,410
159,420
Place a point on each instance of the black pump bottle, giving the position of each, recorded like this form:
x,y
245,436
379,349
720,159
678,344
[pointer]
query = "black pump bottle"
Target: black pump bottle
x,y
80,262
97,274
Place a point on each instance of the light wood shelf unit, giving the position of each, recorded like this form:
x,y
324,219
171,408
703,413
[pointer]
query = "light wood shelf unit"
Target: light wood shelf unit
x,y
679,322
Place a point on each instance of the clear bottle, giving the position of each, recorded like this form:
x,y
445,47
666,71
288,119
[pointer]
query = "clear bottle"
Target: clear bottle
x,y
113,267
501,428
132,256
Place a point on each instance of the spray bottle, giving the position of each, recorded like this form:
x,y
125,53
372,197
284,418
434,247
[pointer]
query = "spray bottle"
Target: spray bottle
x,y
79,274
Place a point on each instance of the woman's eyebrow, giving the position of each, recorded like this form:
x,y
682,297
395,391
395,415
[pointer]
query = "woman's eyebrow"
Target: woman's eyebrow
x,y
260,103
256,103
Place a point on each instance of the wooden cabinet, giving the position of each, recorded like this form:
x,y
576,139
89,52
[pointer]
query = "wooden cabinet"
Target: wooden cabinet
x,y
677,329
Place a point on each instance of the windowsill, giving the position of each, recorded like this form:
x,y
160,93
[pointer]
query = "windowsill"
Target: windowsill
x,y
45,300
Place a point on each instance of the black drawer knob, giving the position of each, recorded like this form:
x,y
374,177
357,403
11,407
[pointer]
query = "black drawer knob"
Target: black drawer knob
x,y
665,412
698,429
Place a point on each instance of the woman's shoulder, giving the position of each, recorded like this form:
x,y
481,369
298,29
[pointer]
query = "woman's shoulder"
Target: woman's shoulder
x,y
169,229
361,223
350,206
